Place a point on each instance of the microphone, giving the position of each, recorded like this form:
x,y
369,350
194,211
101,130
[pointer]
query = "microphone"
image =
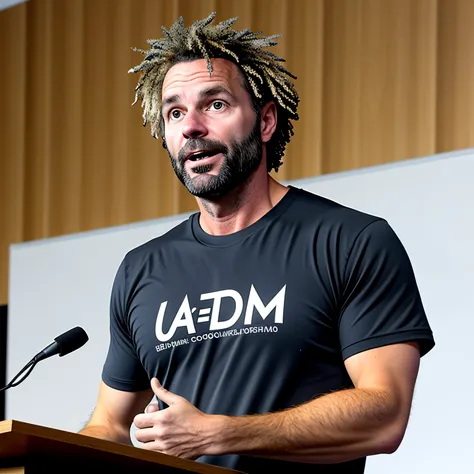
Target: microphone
x,y
64,344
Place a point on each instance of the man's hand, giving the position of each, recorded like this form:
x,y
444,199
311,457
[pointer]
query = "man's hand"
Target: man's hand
x,y
179,430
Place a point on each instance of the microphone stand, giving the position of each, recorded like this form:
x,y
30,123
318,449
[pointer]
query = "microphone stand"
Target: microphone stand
x,y
28,367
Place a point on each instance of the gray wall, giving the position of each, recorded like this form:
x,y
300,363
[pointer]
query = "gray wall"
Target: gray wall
x,y
9,3
59,283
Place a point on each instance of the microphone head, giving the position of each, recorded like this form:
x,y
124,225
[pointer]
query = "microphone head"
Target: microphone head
x,y
71,340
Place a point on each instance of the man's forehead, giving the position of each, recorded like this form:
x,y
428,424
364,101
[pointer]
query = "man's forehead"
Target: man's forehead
x,y
190,73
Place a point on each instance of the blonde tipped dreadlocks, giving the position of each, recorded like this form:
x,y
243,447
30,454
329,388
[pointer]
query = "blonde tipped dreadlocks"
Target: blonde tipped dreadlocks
x,y
267,79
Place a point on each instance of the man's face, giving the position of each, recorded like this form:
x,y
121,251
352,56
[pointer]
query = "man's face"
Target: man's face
x,y
211,129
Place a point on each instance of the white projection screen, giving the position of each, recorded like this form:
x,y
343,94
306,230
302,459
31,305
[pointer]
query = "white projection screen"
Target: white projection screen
x,y
59,283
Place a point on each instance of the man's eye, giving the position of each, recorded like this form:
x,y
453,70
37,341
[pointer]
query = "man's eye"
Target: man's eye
x,y
176,114
218,105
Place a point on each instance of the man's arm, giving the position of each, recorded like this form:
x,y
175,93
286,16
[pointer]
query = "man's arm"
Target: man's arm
x,y
337,427
344,425
114,412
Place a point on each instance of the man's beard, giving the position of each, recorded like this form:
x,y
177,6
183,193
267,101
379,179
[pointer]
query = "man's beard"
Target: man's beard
x,y
239,162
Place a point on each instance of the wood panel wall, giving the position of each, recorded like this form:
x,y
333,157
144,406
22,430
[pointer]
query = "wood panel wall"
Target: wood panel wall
x,y
379,80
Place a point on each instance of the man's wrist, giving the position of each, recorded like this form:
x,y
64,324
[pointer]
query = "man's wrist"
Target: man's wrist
x,y
217,430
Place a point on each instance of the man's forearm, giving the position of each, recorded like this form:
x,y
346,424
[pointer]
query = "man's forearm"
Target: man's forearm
x,y
106,432
334,428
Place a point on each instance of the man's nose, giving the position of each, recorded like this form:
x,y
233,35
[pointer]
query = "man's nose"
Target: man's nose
x,y
194,126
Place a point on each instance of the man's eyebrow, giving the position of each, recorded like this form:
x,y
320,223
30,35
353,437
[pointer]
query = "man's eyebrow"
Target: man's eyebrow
x,y
172,99
215,91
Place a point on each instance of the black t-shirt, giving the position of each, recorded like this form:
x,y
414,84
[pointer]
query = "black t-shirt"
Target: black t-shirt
x,y
262,319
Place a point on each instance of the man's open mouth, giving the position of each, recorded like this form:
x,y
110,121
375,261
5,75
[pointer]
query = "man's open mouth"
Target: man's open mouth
x,y
201,154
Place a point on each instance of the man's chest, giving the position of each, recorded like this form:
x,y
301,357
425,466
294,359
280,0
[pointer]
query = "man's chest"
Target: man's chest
x,y
264,303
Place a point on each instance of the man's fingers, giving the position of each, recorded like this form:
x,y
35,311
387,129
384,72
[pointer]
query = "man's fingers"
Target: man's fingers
x,y
164,395
144,420
145,435
152,408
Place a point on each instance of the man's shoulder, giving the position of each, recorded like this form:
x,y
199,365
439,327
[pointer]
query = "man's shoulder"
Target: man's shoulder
x,y
325,213
168,241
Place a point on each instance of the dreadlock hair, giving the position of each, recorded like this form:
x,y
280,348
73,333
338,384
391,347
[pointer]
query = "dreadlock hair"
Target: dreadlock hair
x,y
264,76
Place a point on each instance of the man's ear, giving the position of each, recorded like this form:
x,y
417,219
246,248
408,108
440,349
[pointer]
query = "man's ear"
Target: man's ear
x,y
268,121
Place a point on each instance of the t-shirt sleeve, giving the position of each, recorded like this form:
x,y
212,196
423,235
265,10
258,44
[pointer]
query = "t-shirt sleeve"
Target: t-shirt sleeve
x,y
382,303
122,369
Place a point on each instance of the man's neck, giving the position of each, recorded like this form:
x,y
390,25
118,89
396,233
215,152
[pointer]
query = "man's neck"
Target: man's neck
x,y
242,207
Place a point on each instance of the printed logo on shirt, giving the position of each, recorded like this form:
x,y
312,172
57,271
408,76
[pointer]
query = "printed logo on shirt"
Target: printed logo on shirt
x,y
253,311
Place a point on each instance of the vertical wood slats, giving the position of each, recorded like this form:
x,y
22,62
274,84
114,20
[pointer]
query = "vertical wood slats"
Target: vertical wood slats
x,y
379,81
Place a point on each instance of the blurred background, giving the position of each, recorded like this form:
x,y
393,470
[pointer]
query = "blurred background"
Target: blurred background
x,y
379,81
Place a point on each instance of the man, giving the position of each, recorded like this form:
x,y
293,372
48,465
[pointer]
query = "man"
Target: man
x,y
275,328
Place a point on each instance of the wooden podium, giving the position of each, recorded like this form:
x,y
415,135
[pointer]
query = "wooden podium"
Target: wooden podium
x,y
31,449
